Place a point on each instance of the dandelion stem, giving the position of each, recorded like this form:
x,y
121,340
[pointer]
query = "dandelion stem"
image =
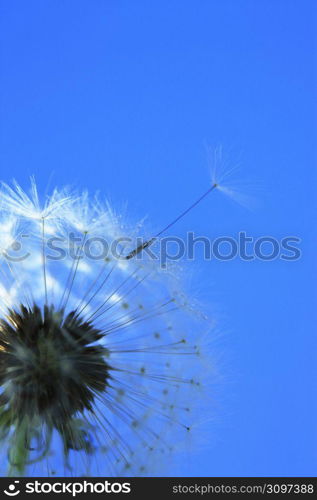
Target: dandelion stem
x,y
19,450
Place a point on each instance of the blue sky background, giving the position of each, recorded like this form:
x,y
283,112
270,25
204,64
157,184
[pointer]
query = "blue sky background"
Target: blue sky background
x,y
122,97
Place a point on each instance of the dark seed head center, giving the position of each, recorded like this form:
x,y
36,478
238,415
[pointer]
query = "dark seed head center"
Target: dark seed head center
x,y
51,365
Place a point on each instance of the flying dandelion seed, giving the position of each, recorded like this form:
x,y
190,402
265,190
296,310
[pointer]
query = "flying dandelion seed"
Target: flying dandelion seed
x,y
99,358
225,173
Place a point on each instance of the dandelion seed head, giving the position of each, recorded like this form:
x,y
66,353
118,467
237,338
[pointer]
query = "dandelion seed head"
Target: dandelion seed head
x,y
99,360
